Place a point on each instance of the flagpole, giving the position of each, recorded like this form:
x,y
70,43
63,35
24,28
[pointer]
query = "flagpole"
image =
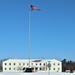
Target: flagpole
x,y
33,8
29,37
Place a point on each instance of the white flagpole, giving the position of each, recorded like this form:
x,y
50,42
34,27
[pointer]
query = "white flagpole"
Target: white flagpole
x,y
29,37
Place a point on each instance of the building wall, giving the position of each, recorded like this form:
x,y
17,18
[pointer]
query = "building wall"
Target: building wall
x,y
56,66
15,65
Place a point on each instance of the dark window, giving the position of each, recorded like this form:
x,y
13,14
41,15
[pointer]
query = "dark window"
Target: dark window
x,y
58,64
9,68
36,68
44,64
40,68
14,68
32,63
19,63
58,68
49,68
5,63
36,63
53,68
54,64
14,64
5,68
23,63
40,63
9,63
27,64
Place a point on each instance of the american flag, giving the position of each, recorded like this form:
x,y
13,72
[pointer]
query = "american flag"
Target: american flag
x,y
34,8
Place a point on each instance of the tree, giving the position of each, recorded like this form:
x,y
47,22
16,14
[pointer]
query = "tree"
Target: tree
x,y
64,65
20,68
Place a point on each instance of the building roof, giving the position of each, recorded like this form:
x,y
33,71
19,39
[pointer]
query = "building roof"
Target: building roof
x,y
32,60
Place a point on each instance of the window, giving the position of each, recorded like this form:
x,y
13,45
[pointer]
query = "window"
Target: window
x,y
27,64
40,63
19,63
5,68
5,63
40,68
31,63
36,63
36,68
54,64
58,68
44,64
14,68
9,68
53,68
23,63
14,64
9,63
58,64
49,68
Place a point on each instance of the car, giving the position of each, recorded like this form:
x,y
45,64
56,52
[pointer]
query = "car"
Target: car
x,y
28,70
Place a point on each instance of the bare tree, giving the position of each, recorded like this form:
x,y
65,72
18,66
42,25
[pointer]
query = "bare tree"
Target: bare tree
x,y
20,68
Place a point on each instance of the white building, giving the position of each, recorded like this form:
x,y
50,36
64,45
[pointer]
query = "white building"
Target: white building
x,y
15,65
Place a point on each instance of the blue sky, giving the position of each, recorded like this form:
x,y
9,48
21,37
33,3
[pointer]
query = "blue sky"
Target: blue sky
x,y
52,30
